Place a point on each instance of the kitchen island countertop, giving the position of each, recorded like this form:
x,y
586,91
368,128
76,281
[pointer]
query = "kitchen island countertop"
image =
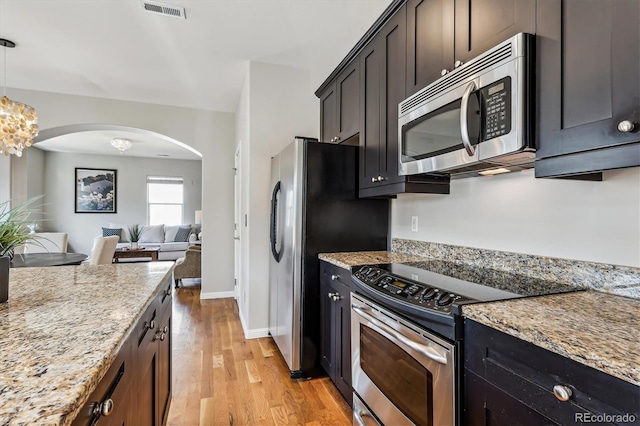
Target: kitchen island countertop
x,y
60,332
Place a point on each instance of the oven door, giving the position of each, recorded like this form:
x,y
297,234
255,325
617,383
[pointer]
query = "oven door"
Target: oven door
x,y
404,374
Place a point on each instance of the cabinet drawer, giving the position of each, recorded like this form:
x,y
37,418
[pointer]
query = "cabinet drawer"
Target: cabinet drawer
x,y
114,386
335,273
529,374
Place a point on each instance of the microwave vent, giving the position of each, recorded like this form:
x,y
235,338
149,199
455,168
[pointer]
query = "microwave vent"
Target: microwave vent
x,y
480,64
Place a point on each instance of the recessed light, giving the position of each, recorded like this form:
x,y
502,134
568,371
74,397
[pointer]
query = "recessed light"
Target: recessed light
x,y
494,172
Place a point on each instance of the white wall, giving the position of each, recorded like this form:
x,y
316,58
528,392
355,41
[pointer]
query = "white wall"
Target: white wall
x,y
5,179
279,105
591,221
131,193
210,132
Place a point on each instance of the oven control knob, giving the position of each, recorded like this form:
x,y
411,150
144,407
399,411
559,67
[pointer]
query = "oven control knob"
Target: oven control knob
x,y
429,294
444,299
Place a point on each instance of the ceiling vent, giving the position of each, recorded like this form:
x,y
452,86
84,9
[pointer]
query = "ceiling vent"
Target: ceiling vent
x,y
164,9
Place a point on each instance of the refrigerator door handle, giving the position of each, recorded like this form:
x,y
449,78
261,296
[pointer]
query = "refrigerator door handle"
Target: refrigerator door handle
x,y
277,255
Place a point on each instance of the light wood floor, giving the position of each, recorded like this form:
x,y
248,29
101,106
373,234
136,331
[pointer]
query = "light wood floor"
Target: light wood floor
x,y
219,378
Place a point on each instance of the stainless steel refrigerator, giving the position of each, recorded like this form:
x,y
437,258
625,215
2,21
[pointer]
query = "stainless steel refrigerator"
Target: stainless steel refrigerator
x,y
314,209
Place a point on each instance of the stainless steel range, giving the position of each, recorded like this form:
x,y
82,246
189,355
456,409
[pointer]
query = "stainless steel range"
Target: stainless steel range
x,y
407,333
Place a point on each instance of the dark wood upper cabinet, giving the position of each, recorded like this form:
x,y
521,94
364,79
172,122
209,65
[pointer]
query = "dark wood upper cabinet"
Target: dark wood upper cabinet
x,y
340,107
430,35
482,24
444,34
588,67
382,88
328,114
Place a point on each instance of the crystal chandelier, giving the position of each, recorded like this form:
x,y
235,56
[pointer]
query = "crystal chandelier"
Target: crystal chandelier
x,y
121,144
18,122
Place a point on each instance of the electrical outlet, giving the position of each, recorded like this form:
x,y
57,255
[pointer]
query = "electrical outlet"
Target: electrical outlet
x,y
414,223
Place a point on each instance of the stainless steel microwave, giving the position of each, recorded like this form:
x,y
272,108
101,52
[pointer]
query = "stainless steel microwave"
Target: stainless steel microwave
x,y
478,118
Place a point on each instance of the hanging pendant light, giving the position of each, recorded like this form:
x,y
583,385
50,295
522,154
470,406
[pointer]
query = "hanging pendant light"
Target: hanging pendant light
x,y
18,122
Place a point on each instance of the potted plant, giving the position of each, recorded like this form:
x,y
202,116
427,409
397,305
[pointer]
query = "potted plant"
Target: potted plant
x,y
14,232
134,235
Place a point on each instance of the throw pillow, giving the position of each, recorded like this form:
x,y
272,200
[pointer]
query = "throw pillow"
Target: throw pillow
x,y
183,234
170,233
152,234
108,232
124,234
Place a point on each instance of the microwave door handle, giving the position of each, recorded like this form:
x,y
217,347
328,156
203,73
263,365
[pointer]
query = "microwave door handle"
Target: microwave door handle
x,y
430,353
464,109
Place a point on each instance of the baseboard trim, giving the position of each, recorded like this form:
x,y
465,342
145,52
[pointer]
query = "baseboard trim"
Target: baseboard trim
x,y
255,333
252,334
218,295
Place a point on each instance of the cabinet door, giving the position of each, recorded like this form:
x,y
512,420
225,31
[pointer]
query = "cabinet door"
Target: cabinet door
x,y
328,114
327,326
343,341
370,92
392,43
164,367
430,41
147,364
589,62
481,24
348,97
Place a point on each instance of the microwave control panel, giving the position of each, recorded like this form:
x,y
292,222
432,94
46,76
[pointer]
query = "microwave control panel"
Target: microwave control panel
x,y
496,106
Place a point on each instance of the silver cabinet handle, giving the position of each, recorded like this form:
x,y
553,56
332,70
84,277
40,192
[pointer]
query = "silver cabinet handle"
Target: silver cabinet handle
x,y
336,297
562,392
334,277
337,138
381,178
331,295
165,329
626,126
168,291
444,72
464,108
359,414
458,64
103,409
424,350
373,179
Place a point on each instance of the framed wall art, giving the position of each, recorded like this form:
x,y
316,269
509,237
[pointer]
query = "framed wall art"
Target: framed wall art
x,y
96,191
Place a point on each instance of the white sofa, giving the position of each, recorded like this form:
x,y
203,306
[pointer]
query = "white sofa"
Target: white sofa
x,y
158,237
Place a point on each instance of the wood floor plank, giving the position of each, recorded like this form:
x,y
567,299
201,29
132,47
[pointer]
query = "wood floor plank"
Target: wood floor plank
x,y
220,378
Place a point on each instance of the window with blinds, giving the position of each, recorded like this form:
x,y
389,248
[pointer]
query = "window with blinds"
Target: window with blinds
x,y
165,198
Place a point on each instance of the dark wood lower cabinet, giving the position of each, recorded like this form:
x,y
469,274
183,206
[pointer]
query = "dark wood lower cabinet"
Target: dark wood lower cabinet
x,y
136,390
508,381
335,349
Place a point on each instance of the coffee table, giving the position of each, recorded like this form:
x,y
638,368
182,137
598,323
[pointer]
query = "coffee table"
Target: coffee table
x,y
135,253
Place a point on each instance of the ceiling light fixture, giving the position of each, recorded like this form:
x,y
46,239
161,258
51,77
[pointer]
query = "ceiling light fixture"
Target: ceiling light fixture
x,y
18,122
121,144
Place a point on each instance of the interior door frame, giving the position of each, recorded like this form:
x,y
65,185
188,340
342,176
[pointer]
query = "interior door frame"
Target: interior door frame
x,y
237,233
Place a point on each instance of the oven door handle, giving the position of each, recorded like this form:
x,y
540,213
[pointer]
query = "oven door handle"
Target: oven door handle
x,y
464,128
424,350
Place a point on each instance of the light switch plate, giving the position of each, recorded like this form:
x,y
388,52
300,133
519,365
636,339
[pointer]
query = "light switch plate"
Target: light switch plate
x,y
414,223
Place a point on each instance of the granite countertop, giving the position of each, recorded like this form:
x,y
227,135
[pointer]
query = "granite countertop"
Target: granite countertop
x,y
349,259
596,329
60,332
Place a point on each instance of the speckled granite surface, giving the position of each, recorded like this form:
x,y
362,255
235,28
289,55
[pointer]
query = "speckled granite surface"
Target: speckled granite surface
x,y
347,260
622,280
60,332
593,328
